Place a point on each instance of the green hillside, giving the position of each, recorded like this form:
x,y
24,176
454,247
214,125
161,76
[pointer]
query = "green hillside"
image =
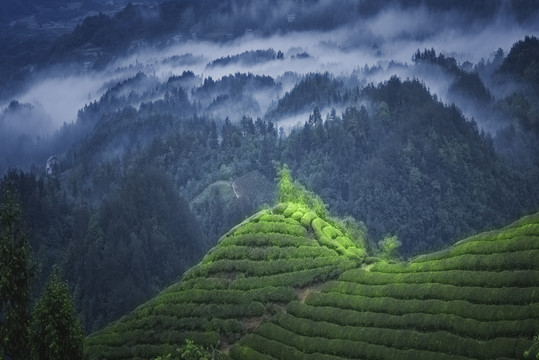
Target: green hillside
x,y
476,300
287,284
273,258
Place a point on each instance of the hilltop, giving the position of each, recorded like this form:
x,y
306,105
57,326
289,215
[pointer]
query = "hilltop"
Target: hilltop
x,y
475,300
277,256
291,282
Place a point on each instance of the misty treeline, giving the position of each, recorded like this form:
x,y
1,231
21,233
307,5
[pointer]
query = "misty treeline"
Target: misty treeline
x,y
100,39
154,172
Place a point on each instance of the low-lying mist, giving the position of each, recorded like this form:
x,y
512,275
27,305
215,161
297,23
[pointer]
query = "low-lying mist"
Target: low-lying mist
x,y
367,51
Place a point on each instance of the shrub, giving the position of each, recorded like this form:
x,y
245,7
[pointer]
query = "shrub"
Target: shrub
x,y
307,218
290,209
299,278
272,218
481,330
518,260
476,295
506,278
271,227
275,239
297,215
484,247
438,341
401,307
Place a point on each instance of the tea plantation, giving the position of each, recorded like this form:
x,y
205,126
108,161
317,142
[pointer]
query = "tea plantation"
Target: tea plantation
x,y
288,284
476,300
256,269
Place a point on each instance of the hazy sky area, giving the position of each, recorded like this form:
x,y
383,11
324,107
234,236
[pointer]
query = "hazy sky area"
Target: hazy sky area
x,y
392,35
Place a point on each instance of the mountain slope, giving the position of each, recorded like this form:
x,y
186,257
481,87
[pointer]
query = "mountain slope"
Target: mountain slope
x,y
266,292
257,268
476,300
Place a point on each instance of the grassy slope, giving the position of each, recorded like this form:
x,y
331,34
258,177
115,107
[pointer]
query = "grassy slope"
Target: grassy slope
x,y
258,267
285,284
479,299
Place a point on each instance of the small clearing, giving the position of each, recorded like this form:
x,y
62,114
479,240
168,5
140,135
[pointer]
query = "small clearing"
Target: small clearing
x,y
252,323
304,292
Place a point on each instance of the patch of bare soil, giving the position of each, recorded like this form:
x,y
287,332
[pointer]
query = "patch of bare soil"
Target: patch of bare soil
x,y
304,292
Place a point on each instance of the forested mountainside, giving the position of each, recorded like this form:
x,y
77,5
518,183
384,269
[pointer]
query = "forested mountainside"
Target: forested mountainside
x,y
134,136
393,152
290,282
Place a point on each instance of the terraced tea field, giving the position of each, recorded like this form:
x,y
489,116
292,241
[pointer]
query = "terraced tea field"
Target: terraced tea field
x,y
257,268
287,284
476,300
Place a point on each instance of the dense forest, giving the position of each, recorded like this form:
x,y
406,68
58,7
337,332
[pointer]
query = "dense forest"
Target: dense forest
x,y
174,146
394,152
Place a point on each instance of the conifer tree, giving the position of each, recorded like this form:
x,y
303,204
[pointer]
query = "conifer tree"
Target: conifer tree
x,y
55,330
15,279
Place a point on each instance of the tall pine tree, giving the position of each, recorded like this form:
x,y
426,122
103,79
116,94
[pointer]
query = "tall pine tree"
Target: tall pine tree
x,y
15,279
55,330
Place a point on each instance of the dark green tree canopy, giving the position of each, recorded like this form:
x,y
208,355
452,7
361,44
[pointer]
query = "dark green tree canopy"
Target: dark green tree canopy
x,y
55,330
15,278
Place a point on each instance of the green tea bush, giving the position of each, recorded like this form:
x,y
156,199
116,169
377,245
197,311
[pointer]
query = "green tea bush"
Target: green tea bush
x,y
439,341
307,218
484,247
266,294
318,225
231,311
297,215
332,232
355,349
290,209
272,218
235,252
263,268
280,208
210,310
295,279
231,328
168,322
206,338
400,307
476,295
481,330
208,283
271,227
272,348
230,296
345,241
518,260
510,232
525,220
276,239
175,310
328,242
506,278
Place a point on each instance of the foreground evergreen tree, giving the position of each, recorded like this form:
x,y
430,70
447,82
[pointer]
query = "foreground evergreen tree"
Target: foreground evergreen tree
x,y
55,331
15,277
